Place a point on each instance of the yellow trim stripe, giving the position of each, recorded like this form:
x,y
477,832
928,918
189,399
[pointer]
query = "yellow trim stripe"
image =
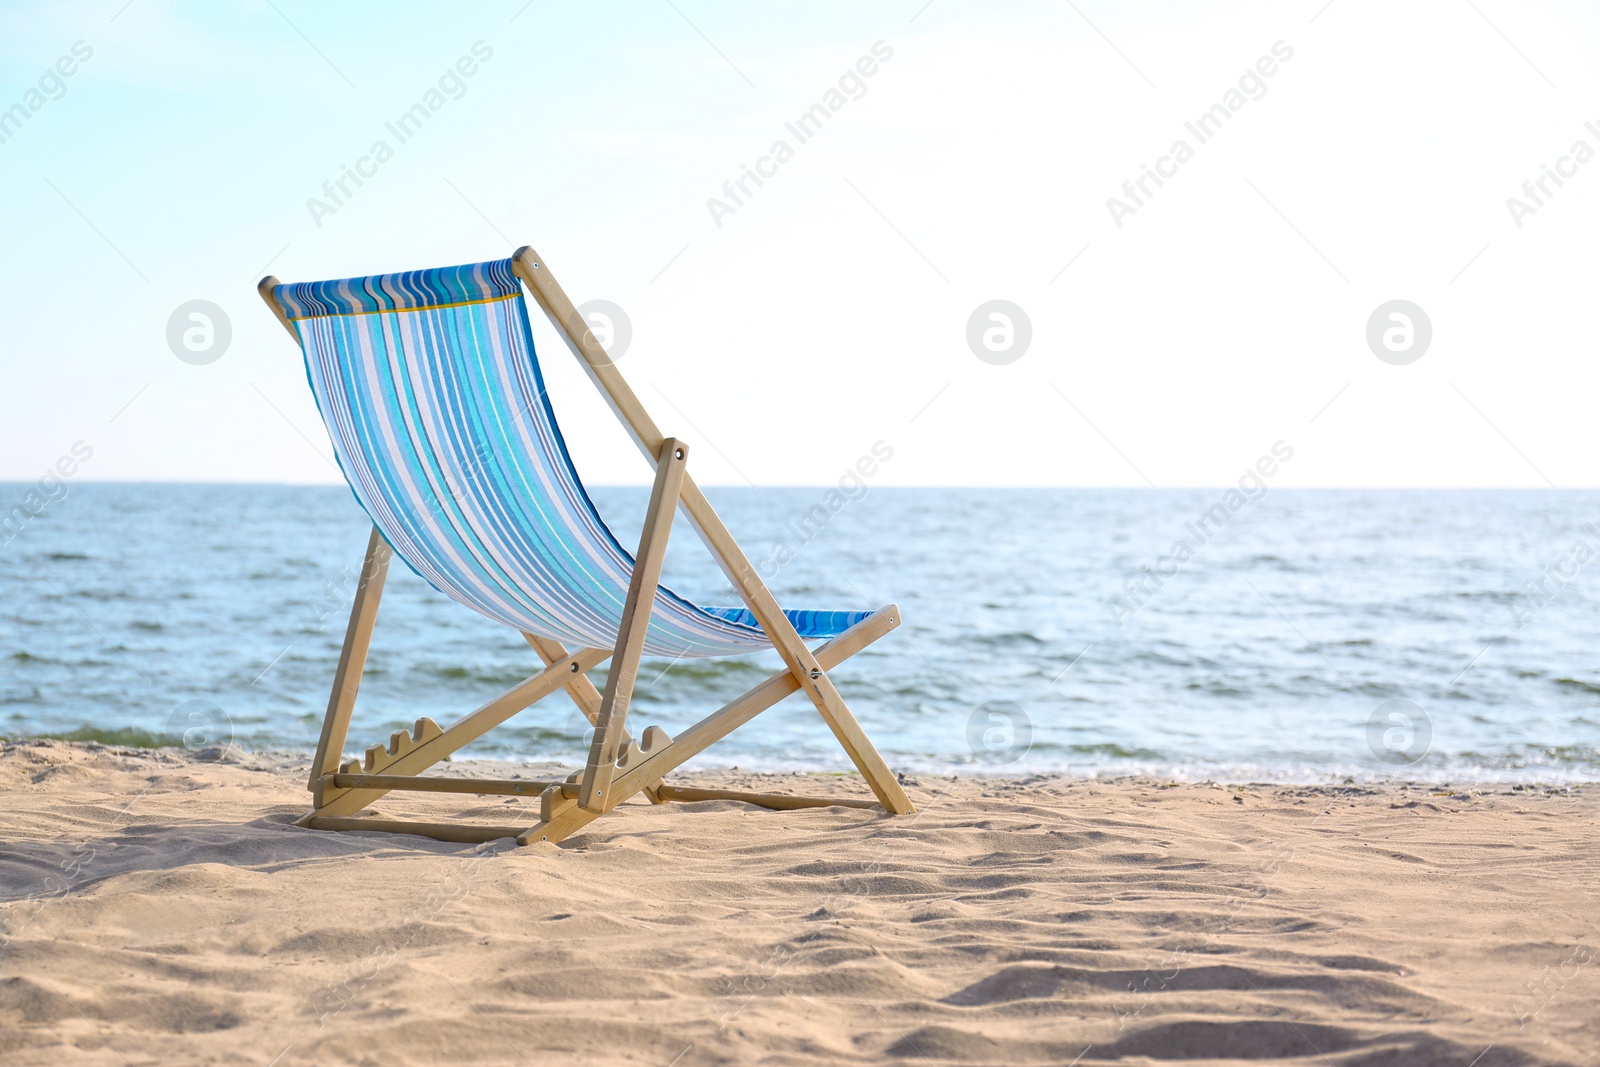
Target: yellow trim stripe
x,y
396,311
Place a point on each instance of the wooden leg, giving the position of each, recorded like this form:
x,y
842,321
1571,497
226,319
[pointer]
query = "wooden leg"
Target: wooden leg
x,y
810,674
352,659
561,817
620,679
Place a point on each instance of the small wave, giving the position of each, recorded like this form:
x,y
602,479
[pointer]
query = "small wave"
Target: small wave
x,y
1112,750
454,673
1219,689
1008,640
1550,757
703,670
124,737
105,596
916,691
527,739
64,557
1578,683
1162,659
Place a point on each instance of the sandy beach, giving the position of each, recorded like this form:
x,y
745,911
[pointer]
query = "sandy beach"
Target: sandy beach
x,y
161,908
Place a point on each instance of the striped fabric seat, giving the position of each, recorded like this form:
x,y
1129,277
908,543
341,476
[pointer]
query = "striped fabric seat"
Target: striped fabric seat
x,y
432,395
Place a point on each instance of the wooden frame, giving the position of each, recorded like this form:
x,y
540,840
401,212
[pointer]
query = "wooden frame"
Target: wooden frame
x,y
618,766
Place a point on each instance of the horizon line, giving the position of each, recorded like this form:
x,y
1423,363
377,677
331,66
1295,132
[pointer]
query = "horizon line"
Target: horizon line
x,y
834,485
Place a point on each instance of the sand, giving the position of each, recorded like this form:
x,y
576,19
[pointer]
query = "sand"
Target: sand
x,y
161,909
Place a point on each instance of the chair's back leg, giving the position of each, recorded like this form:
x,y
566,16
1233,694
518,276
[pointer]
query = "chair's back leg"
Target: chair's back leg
x,y
642,585
563,315
352,658
814,681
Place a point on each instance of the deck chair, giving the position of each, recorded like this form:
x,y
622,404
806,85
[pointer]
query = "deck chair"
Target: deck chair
x,y
432,395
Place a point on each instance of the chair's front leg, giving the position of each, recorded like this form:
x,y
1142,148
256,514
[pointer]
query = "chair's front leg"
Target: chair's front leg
x,y
608,728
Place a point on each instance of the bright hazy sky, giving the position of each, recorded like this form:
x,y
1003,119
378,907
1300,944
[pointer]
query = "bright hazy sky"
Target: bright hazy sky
x,y
830,310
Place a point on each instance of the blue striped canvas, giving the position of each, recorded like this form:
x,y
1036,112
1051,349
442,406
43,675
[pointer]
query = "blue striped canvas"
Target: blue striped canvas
x,y
431,391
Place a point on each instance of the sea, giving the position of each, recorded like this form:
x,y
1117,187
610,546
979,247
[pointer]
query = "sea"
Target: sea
x,y
1441,636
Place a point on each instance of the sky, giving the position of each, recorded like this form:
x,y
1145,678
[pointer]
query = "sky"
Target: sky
x,y
1358,154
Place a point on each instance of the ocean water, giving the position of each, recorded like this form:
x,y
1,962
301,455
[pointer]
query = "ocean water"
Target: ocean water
x,y
1312,635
